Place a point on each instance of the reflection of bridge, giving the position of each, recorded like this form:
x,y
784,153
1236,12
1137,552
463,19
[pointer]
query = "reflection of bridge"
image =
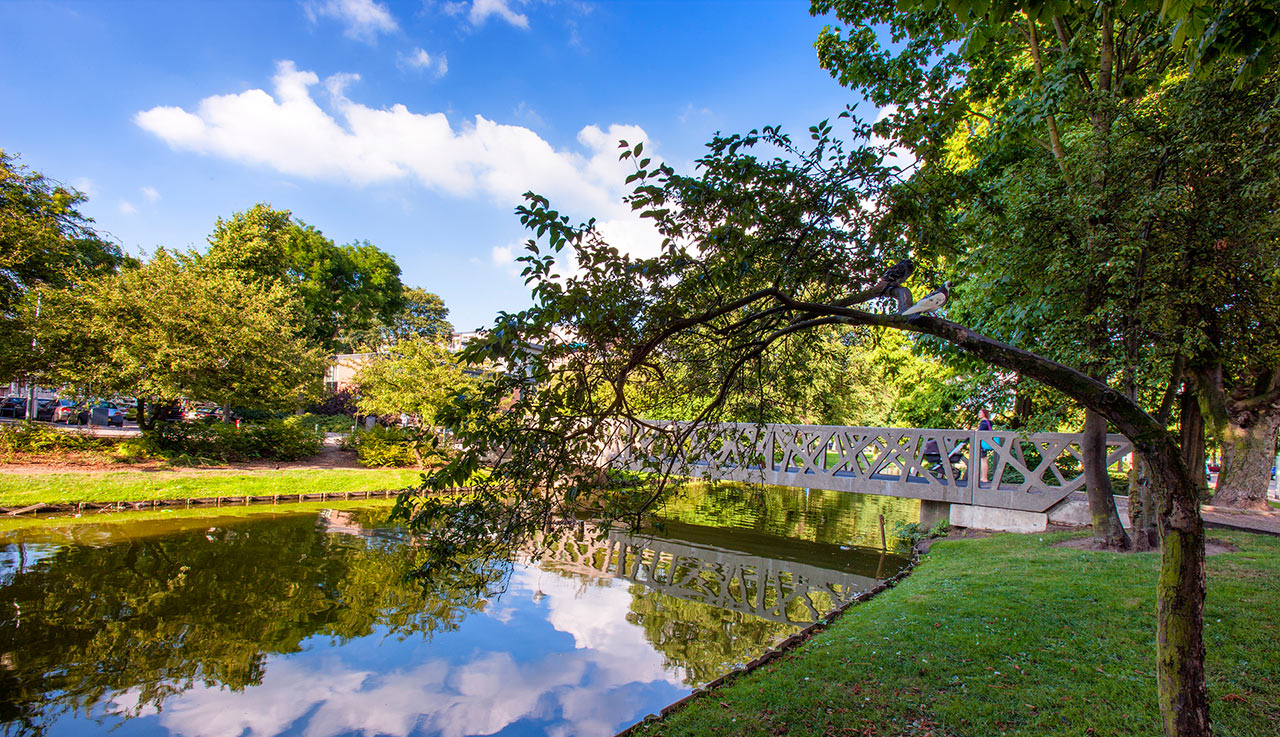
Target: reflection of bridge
x,y
1032,472
777,590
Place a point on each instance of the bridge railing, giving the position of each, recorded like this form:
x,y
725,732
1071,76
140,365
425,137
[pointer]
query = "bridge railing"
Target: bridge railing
x,y
1006,469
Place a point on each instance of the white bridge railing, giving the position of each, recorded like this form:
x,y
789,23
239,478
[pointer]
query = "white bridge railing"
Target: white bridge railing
x,y
1030,472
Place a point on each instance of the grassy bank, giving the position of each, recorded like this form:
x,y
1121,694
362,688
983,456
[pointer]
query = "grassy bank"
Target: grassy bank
x,y
1010,635
18,490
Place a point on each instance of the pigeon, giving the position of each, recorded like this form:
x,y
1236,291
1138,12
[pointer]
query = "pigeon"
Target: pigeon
x,y
896,274
931,301
903,297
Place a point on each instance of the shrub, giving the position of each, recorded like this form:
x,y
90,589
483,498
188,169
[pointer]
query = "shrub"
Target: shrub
x,y
28,437
185,442
341,402
393,446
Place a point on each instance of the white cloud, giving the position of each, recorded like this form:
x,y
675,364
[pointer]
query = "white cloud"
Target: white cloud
x,y
127,207
289,131
504,258
364,19
150,193
481,10
420,60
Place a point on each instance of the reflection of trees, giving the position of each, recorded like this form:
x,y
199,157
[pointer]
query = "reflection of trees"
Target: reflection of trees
x,y
704,640
835,517
154,617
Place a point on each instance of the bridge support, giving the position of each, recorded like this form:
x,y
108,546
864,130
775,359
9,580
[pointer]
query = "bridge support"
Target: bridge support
x,y
932,512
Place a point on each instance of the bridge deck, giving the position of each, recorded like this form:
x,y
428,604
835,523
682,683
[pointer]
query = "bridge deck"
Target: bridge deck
x,y
1035,470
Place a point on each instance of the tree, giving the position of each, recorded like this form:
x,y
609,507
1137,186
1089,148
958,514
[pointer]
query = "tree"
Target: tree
x,y
44,240
417,379
172,328
423,315
344,289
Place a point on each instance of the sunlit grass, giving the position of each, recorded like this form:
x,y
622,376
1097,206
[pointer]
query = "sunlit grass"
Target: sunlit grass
x,y
1009,635
18,490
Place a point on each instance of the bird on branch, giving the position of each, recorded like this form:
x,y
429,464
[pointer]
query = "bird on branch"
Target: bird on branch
x,y
894,277
931,301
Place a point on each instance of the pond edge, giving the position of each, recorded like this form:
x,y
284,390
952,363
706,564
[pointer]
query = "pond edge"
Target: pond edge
x,y
783,647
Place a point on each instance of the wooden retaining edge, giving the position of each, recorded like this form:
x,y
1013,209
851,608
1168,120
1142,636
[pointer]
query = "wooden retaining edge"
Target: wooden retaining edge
x,y
782,648
122,506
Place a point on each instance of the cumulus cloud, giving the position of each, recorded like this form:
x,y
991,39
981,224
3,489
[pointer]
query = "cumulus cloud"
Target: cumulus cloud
x,y
420,60
479,11
150,193
290,131
127,207
364,19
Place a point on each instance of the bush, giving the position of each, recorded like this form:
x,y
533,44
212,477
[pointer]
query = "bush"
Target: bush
x,y
393,446
185,442
341,402
28,437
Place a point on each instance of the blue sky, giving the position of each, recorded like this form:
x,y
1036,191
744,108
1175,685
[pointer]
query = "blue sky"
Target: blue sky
x,y
413,125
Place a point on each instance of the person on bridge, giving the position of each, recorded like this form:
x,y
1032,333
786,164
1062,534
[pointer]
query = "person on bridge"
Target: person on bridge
x,y
984,425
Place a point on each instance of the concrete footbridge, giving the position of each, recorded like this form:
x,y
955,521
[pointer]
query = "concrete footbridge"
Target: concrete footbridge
x,y
994,479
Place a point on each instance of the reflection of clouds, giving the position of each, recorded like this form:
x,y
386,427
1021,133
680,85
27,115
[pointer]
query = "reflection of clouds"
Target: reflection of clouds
x,y
598,687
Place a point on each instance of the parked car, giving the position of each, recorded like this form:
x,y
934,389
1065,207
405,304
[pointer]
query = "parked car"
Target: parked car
x,y
59,410
203,413
101,409
13,407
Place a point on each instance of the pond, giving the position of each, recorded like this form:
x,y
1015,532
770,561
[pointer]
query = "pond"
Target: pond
x,y
299,619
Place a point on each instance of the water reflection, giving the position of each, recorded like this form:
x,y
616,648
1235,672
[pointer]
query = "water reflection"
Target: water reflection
x,y
289,622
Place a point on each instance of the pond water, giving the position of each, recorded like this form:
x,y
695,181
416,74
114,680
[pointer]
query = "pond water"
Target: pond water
x,y
299,620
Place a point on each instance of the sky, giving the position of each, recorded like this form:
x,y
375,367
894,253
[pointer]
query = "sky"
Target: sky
x,y
413,125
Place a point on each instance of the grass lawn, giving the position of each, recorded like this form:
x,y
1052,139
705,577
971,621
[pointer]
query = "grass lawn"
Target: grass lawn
x,y
1011,636
18,490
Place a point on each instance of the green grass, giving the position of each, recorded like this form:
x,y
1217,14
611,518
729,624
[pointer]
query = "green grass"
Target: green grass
x,y
56,529
18,490
1010,636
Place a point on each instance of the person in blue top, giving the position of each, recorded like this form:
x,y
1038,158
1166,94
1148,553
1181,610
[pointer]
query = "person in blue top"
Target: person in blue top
x,y
984,425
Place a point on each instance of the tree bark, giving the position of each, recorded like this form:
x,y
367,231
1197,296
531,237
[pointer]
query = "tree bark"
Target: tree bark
x,y
1107,530
1247,453
1191,435
1143,512
1180,677
143,422
1244,422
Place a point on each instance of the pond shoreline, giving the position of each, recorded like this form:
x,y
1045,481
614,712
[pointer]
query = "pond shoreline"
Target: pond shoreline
x,y
782,648
190,503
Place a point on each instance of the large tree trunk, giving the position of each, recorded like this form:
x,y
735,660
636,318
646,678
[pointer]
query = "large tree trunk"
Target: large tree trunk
x,y
1144,514
1180,677
144,423
1244,423
1247,453
1107,530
